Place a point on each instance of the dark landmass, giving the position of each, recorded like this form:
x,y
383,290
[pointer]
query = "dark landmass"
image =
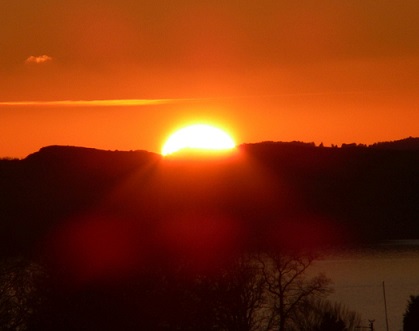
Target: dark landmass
x,y
110,240
353,193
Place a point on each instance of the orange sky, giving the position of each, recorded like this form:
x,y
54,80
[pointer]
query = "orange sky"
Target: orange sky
x,y
330,71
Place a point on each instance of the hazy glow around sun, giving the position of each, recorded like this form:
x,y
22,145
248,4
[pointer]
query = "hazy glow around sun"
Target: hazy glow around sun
x,y
198,137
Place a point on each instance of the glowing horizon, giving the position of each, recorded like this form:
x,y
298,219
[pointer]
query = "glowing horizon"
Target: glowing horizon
x,y
198,137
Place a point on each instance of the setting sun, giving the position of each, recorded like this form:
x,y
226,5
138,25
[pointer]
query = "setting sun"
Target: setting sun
x,y
198,137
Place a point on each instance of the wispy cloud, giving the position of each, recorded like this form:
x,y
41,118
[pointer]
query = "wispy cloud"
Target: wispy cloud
x,y
38,59
150,102
94,103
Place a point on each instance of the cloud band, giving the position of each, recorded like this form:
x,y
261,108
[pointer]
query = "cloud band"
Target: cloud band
x,y
93,103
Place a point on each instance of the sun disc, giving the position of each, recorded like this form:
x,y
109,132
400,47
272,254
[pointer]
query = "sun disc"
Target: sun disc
x,y
198,137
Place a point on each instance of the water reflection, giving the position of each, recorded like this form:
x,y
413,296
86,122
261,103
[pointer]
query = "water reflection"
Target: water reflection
x,y
358,274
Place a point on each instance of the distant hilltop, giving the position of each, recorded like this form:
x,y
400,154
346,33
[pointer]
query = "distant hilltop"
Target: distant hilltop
x,y
61,151
57,151
410,143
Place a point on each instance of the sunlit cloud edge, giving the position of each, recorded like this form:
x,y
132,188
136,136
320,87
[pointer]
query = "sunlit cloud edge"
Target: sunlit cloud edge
x,y
38,59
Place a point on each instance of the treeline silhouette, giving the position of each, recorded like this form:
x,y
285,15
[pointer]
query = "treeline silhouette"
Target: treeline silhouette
x,y
353,194
131,240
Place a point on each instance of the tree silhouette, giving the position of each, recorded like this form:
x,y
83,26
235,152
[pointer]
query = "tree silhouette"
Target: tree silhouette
x,y
324,315
240,296
288,285
266,293
330,323
20,293
411,315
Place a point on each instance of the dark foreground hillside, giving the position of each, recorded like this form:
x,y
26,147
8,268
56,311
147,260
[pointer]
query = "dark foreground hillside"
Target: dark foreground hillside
x,y
94,239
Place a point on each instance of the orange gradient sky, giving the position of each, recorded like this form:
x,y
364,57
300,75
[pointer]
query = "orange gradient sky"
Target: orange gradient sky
x,y
125,74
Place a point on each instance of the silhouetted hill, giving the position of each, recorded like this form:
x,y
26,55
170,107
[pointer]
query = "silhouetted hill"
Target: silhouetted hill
x,y
51,185
403,144
374,191
288,193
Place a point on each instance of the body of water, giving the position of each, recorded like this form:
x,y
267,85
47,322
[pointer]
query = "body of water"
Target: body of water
x,y
358,276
